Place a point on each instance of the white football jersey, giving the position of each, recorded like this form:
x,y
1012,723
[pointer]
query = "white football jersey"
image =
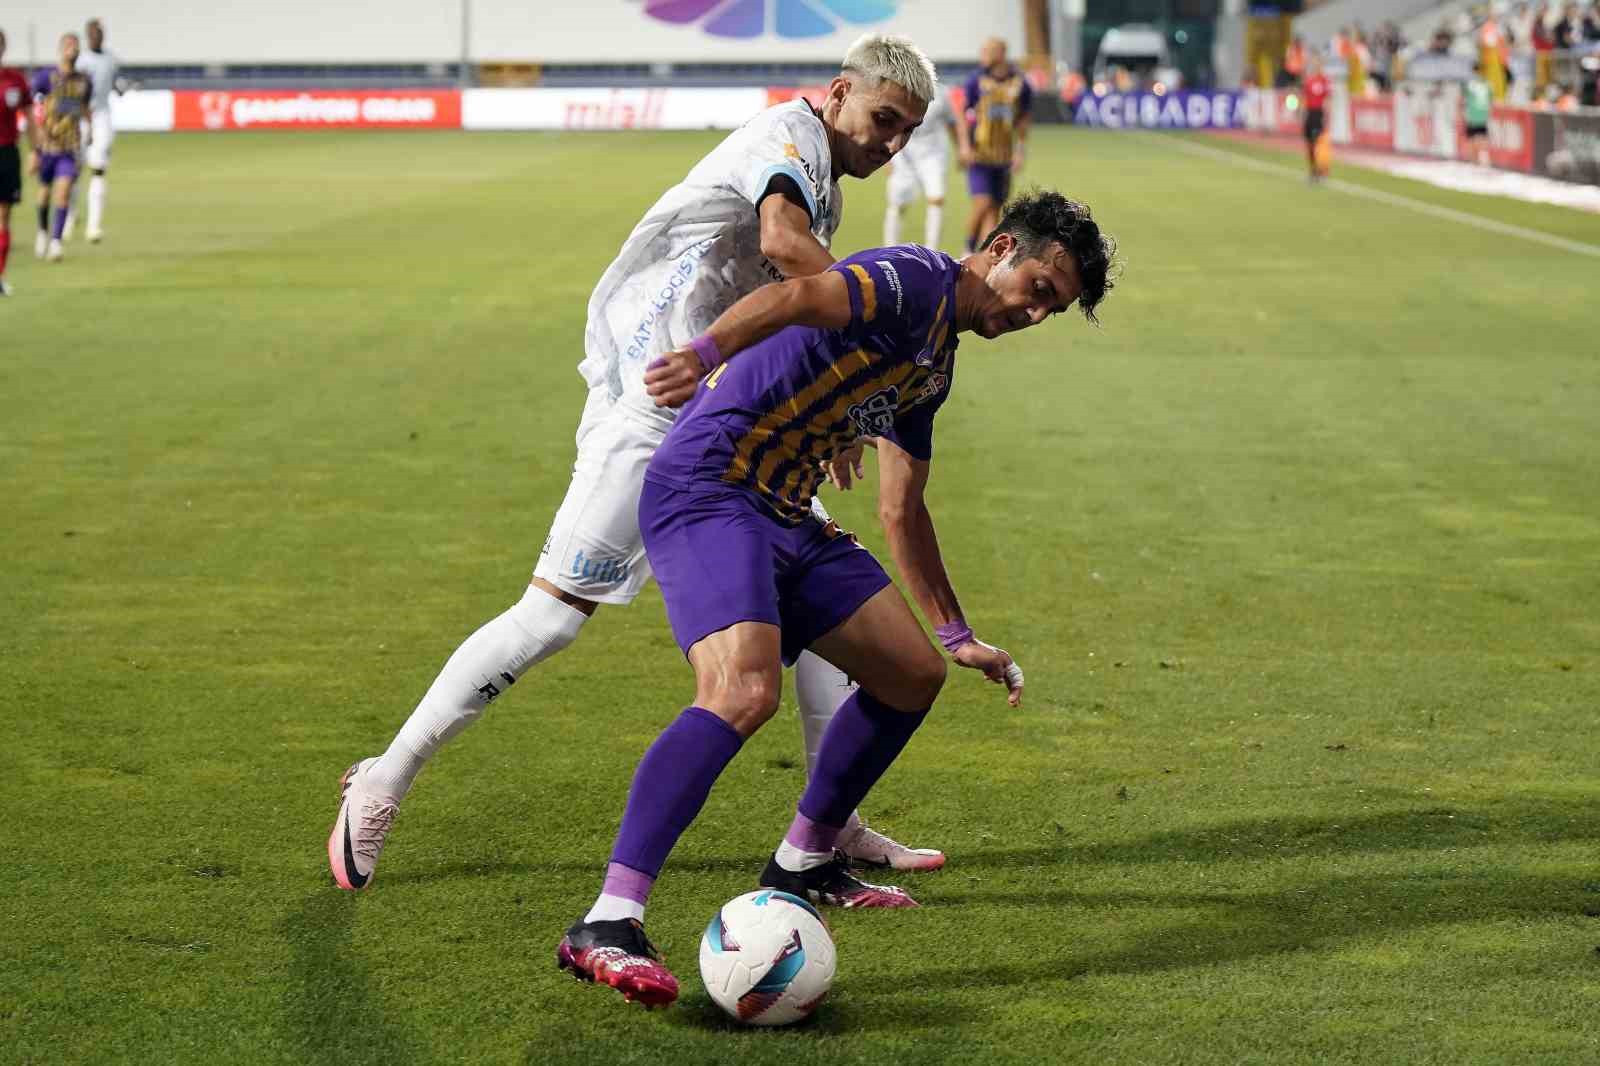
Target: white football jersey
x,y
931,141
102,68
698,250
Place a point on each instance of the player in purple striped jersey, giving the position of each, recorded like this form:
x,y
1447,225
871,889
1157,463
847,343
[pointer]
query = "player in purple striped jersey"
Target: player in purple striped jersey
x,y
751,578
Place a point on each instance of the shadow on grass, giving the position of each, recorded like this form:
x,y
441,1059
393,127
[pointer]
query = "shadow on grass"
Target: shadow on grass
x,y
852,1008
1434,827
335,1016
1247,925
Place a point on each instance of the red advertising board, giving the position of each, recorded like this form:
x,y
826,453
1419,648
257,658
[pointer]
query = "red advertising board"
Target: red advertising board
x,y
320,109
1511,138
1372,123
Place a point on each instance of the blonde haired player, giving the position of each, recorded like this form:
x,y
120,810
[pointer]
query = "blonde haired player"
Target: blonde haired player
x,y
761,207
920,170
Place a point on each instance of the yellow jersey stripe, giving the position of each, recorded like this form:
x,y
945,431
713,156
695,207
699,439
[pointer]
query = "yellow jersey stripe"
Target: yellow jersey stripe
x,y
869,292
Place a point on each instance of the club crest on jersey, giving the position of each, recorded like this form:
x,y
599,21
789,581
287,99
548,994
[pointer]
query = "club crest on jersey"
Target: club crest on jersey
x,y
874,416
935,385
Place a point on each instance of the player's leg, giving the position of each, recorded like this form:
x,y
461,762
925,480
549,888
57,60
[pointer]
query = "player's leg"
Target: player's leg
x,y
932,176
98,157
725,616
836,593
593,555
902,190
820,689
41,236
61,199
5,235
981,186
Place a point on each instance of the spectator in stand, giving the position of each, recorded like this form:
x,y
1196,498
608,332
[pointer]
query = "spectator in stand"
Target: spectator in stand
x,y
1491,65
1386,44
1567,29
1544,43
1294,60
1591,26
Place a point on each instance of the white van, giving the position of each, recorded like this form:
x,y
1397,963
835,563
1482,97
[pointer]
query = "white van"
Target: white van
x,y
1134,58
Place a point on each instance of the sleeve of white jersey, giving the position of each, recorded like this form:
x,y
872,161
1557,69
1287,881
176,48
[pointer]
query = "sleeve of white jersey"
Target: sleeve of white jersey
x,y
787,143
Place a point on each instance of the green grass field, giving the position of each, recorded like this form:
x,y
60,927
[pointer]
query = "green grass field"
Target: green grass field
x,y
1301,553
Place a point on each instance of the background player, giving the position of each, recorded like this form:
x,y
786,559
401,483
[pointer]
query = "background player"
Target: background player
x,y
872,355
919,170
14,97
998,100
1315,89
760,207
64,104
103,69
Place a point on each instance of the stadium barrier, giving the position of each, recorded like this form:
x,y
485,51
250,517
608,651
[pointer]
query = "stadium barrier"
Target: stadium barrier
x,y
1428,122
469,109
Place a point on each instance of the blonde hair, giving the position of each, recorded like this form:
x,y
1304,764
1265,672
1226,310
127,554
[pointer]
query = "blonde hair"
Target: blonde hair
x,y
886,57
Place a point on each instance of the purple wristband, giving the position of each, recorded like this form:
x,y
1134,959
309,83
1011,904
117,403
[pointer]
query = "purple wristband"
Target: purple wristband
x,y
954,634
706,348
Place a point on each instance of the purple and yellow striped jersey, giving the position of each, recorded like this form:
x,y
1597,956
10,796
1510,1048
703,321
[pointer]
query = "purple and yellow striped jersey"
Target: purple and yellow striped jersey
x,y
767,419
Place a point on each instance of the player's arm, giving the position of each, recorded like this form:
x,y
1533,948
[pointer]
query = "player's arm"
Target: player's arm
x,y
786,237
969,101
821,300
1024,124
908,527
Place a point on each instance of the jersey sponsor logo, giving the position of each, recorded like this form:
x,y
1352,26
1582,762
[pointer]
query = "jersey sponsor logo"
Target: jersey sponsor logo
x,y
793,153
893,276
13,96
935,385
682,272
599,571
784,18
874,416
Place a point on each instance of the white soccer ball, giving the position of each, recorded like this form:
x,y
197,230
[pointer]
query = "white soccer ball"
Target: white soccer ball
x,y
767,958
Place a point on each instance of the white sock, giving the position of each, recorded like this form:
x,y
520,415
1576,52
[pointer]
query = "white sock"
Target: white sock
x,y
97,201
487,663
819,689
614,909
932,224
794,860
891,225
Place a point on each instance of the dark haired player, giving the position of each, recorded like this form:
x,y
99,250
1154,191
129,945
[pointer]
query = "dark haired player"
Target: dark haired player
x,y
799,372
64,93
14,98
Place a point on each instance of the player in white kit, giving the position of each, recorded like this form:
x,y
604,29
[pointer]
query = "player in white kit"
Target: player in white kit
x,y
762,206
919,170
104,69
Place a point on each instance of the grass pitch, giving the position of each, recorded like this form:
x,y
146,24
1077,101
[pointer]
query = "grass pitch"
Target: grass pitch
x,y
1301,553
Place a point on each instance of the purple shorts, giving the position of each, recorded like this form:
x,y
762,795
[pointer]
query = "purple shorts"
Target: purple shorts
x,y
991,181
721,558
53,165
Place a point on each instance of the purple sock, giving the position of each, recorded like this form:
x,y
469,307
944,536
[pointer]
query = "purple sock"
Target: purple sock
x,y
863,739
812,836
628,883
58,224
670,786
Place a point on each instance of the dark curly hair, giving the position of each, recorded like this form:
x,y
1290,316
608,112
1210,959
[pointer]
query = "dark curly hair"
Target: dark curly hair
x,y
1041,217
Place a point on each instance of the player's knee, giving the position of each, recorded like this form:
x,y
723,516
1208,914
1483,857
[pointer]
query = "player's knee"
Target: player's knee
x,y
919,682
746,699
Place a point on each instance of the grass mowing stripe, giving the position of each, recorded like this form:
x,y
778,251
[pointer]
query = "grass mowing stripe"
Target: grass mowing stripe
x,y
1449,214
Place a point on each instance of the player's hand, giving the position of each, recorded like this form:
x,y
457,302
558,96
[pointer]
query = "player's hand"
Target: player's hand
x,y
1016,160
966,156
996,664
672,379
33,164
848,467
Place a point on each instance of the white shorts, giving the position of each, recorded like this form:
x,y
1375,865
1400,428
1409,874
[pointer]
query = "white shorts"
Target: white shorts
x,y
594,549
98,155
914,176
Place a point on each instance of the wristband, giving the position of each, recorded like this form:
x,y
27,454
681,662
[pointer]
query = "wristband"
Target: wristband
x,y
706,348
954,634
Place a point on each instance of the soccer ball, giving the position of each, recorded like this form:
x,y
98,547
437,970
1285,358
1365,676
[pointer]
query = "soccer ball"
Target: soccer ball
x,y
767,958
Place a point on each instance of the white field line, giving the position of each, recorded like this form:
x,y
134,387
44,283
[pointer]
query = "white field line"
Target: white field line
x,y
1422,207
